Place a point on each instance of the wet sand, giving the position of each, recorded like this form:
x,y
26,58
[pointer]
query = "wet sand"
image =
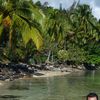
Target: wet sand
x,y
50,74
56,73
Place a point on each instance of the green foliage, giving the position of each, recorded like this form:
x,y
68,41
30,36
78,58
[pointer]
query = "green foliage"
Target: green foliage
x,y
93,59
34,35
76,54
63,55
93,56
18,15
72,34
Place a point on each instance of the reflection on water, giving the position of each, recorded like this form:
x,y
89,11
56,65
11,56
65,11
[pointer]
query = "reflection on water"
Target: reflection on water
x,y
9,97
18,86
70,87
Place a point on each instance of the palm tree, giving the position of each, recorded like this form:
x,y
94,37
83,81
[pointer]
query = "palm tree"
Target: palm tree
x,y
84,31
82,22
21,16
54,31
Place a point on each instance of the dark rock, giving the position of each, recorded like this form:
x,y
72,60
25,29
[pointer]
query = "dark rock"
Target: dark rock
x,y
89,66
38,74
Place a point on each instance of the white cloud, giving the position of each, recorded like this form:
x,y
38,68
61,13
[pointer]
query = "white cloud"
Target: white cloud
x,y
95,9
96,13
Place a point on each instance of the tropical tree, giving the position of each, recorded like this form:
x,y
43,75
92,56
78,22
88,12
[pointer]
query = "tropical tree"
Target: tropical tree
x,y
21,13
54,29
82,20
85,31
21,17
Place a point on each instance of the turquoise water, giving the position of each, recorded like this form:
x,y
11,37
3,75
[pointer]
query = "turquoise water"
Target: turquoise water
x,y
69,87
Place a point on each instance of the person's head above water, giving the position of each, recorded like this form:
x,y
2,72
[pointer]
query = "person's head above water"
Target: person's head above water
x,y
92,96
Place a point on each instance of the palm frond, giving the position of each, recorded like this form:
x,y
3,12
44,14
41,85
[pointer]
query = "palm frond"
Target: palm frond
x,y
28,33
33,34
38,15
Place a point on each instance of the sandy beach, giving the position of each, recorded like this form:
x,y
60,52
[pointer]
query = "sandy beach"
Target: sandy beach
x,y
50,74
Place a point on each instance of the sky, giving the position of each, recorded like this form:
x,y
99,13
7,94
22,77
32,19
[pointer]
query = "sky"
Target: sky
x,y
94,4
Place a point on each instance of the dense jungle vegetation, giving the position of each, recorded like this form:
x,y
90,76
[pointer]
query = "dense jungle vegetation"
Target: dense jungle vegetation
x,y
37,33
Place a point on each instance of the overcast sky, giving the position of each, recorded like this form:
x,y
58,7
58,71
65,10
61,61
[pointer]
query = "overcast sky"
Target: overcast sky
x,y
95,4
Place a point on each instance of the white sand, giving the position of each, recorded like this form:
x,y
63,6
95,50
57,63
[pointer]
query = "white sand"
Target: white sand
x,y
51,73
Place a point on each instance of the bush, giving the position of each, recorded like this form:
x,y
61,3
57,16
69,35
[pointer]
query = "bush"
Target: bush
x,y
63,55
74,53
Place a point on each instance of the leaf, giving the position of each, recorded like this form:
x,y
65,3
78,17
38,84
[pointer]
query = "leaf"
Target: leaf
x,y
33,34
38,15
28,32
37,38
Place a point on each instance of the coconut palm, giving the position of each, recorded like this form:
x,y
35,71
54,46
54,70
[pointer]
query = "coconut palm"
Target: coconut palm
x,y
54,31
21,16
82,22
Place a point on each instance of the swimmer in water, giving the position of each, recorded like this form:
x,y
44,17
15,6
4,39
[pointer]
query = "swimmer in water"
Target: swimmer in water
x,y
92,96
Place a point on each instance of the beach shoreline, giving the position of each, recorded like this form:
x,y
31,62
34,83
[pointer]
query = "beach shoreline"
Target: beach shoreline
x,y
50,74
47,74
10,72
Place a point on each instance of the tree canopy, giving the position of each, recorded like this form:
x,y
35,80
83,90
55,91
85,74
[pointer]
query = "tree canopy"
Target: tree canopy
x,y
62,34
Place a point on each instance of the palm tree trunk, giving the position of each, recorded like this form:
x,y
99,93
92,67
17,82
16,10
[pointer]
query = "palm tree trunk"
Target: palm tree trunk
x,y
10,39
48,58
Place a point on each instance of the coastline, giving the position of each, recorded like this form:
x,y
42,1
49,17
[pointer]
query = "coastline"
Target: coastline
x,y
47,74
10,72
50,74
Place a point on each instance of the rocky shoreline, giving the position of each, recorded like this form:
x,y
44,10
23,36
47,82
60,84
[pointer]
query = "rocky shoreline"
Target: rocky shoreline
x,y
12,71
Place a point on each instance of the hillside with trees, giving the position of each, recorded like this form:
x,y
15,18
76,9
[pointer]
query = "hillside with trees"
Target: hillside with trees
x,y
35,33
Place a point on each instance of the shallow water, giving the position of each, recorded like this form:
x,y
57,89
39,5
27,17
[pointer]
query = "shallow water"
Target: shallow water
x,y
69,87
